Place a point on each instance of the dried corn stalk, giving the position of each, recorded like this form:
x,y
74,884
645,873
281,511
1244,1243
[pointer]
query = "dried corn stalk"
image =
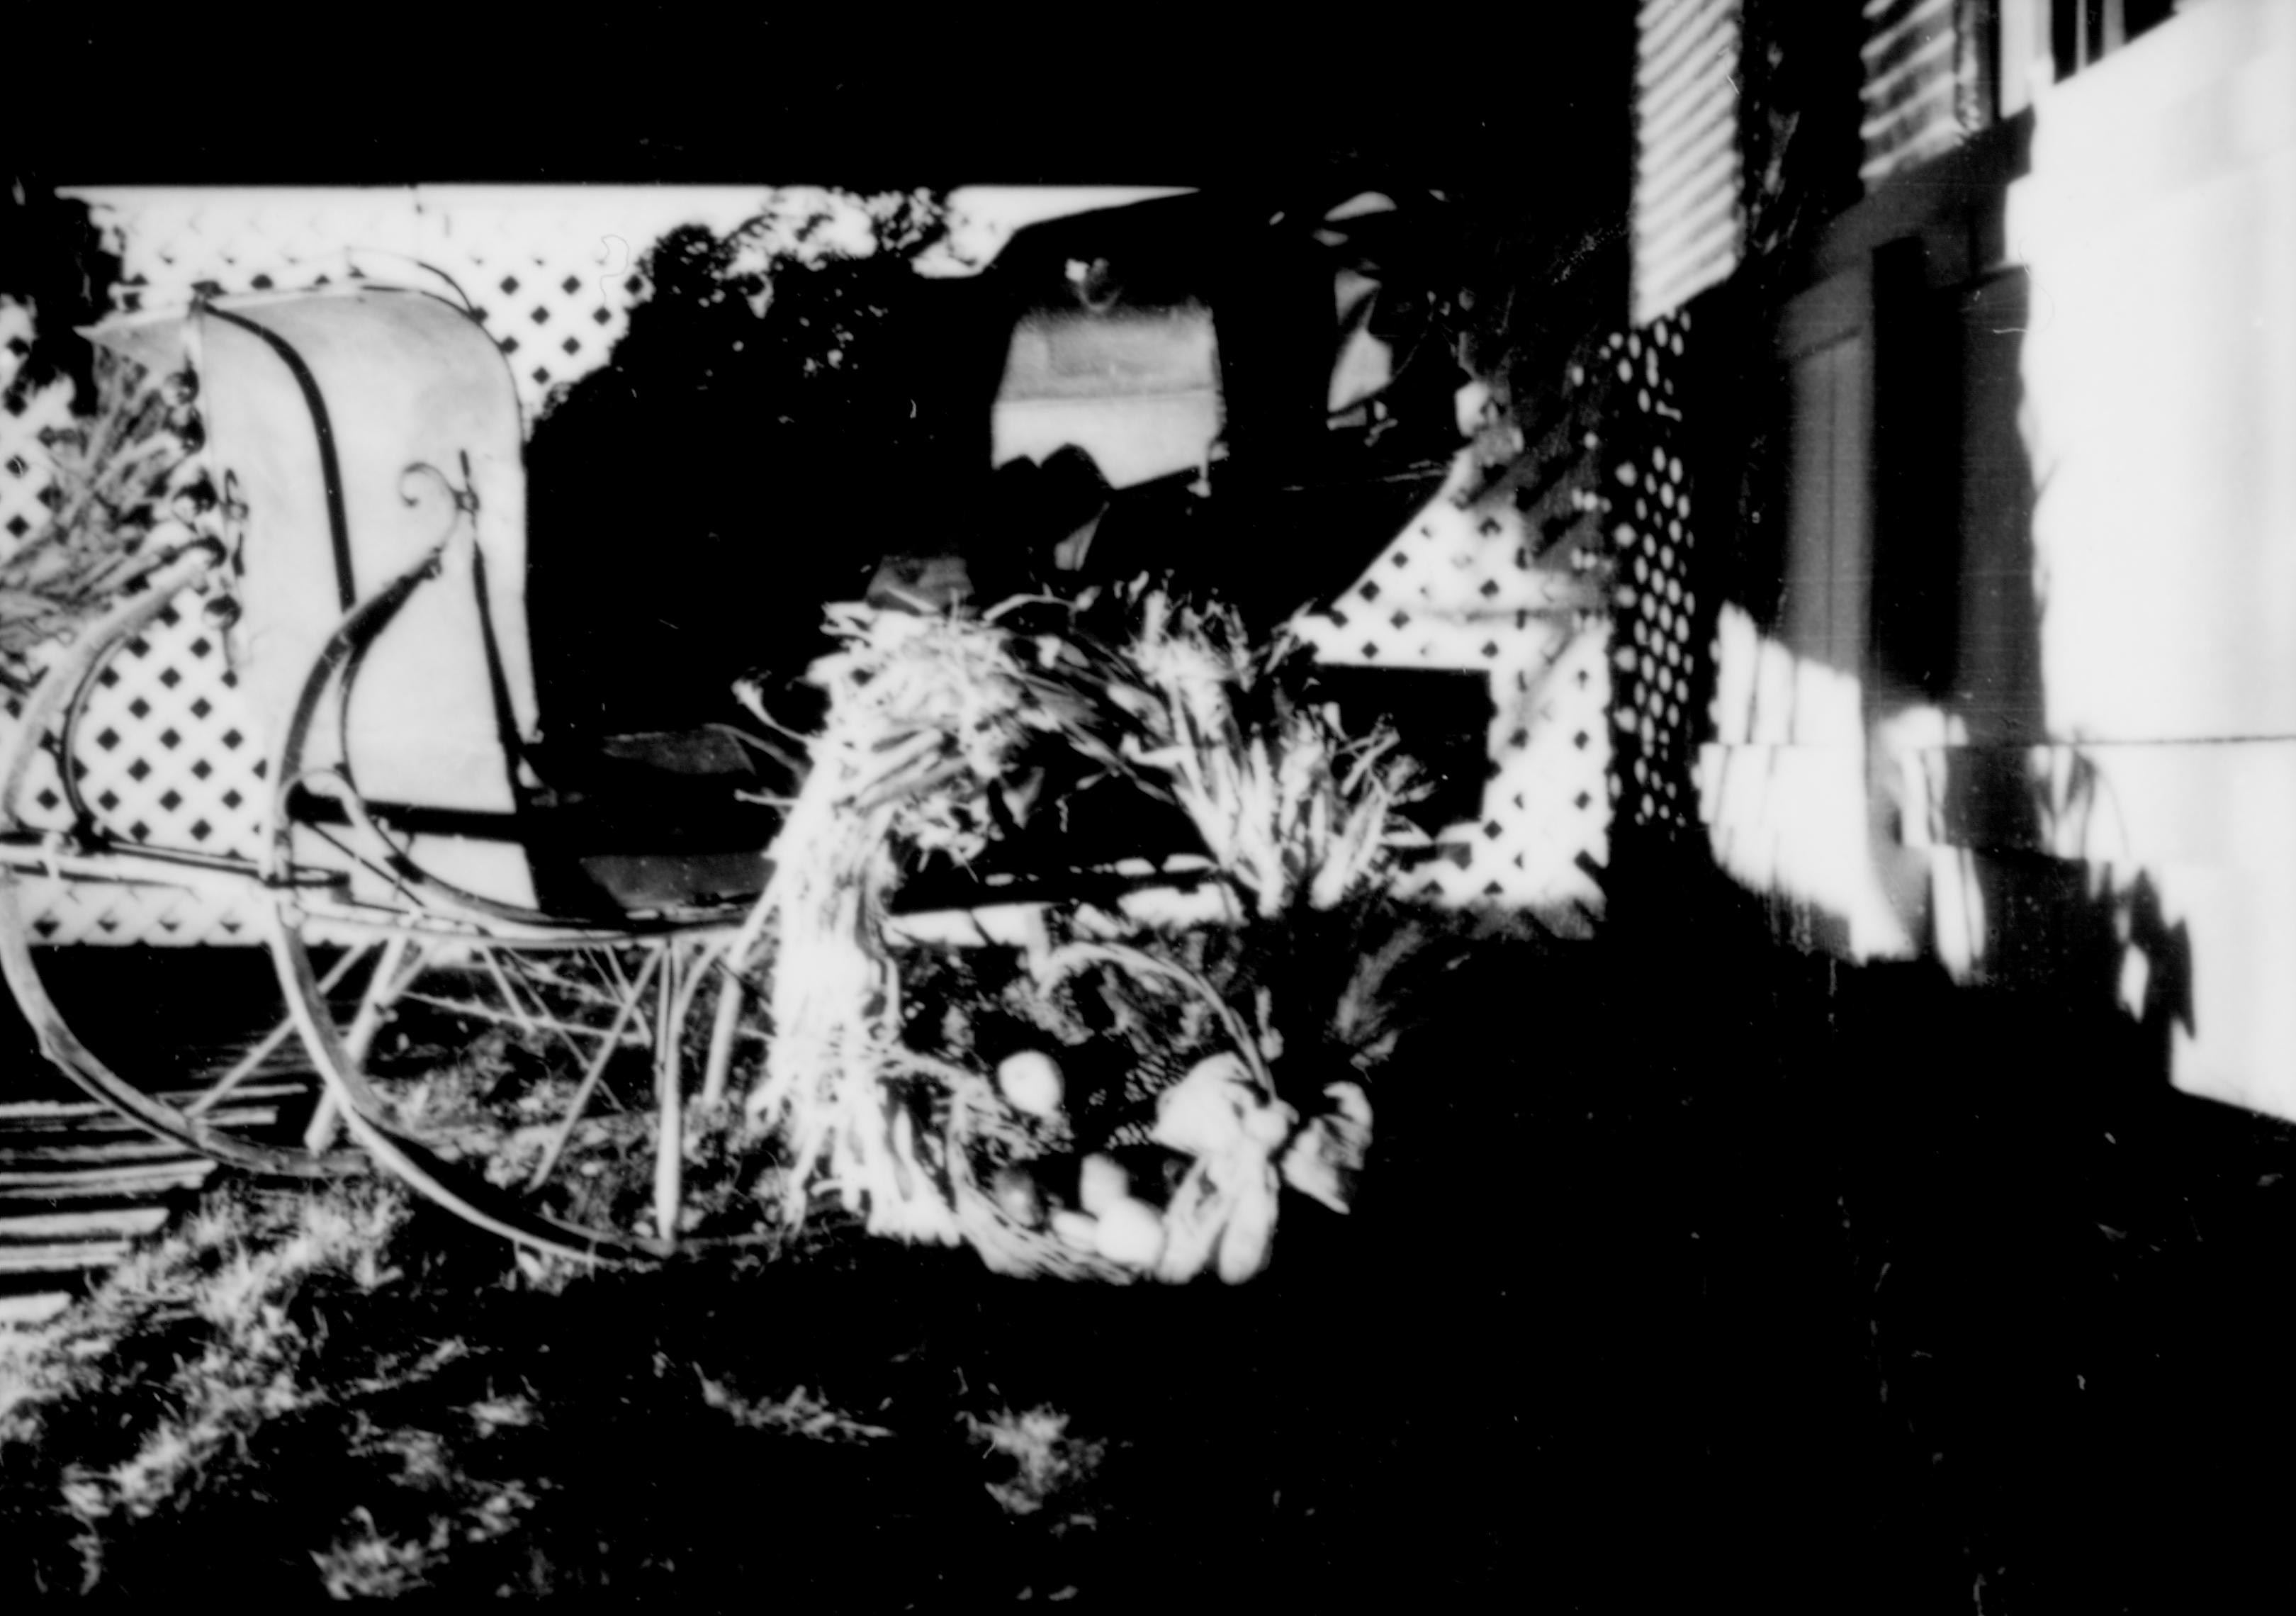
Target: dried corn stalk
x,y
1287,809
923,713
127,491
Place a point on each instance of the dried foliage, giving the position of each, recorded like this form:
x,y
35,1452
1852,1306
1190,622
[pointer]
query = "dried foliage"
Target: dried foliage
x,y
935,724
1048,1467
125,492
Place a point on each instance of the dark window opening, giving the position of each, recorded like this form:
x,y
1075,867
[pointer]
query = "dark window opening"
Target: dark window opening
x,y
2084,32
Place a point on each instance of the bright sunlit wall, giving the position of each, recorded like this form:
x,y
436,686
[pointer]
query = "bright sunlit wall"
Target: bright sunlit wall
x,y
2158,226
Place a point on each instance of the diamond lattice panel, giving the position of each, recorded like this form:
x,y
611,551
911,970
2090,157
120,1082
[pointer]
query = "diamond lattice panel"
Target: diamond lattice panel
x,y
27,470
552,272
1663,658
164,758
1448,592
186,784
173,240
1504,571
1543,837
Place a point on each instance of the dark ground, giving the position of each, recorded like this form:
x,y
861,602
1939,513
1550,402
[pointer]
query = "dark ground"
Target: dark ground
x,y
1691,1270
1853,1291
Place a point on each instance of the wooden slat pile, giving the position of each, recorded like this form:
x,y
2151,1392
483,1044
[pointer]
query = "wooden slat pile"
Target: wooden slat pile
x,y
78,1183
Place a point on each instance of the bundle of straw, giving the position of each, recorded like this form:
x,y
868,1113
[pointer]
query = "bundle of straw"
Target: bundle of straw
x,y
127,491
1287,808
923,714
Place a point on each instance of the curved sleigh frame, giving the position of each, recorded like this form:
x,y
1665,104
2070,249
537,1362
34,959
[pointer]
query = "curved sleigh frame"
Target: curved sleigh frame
x,y
367,933
433,1002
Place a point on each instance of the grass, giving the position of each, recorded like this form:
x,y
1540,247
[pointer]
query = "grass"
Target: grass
x,y
1735,1273
339,1390
333,1391
295,1393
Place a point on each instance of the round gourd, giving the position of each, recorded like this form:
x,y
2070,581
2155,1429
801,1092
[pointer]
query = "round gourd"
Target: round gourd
x,y
1131,1233
1018,1196
1203,1112
1030,1079
1100,1180
1079,1230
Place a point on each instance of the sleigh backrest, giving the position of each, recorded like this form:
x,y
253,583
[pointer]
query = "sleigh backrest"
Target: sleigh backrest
x,y
341,425
347,430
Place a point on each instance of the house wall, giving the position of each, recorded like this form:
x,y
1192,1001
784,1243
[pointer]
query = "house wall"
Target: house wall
x,y
2007,668
2158,226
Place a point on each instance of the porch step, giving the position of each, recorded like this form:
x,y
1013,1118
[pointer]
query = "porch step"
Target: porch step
x,y
79,1184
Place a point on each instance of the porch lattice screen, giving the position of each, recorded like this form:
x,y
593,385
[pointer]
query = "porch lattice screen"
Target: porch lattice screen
x,y
1517,584
171,755
1665,621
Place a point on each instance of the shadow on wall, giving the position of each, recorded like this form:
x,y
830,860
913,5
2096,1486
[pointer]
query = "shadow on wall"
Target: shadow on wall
x,y
2160,372
1880,828
2023,702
